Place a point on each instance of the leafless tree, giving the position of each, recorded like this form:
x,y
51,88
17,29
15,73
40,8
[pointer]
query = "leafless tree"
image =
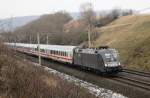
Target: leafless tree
x,y
89,16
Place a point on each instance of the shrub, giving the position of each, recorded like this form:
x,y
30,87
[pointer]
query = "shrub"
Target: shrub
x,y
21,79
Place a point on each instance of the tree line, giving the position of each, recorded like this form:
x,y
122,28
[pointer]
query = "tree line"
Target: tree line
x,y
61,28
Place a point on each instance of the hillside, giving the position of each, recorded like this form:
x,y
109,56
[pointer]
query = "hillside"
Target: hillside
x,y
131,36
12,23
60,28
23,20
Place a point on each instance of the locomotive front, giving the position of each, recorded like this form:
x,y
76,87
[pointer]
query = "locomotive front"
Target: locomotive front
x,y
100,60
111,60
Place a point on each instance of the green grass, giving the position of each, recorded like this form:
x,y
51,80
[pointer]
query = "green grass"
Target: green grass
x,y
131,36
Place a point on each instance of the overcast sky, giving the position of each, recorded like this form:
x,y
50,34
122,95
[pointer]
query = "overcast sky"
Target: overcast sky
x,y
13,8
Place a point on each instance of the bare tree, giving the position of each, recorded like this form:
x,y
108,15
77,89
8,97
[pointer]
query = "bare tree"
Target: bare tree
x,y
89,16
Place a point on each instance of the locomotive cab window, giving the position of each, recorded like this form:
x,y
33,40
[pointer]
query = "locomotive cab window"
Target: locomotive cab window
x,y
110,57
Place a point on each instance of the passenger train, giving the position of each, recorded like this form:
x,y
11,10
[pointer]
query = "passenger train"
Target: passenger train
x,y
102,60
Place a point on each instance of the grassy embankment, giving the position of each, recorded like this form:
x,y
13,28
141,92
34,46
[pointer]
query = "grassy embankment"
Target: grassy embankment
x,y
20,79
131,36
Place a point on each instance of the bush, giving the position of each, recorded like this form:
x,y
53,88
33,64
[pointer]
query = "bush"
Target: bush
x,y
21,79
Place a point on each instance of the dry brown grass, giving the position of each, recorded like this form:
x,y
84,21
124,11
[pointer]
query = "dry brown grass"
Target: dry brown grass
x,y
21,79
130,35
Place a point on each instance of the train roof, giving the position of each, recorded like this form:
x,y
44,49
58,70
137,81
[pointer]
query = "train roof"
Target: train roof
x,y
66,48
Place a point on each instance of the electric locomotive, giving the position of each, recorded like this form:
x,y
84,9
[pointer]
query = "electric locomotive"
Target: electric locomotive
x,y
103,60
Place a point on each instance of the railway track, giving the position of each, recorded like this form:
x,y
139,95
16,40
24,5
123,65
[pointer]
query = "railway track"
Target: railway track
x,y
140,73
133,82
134,78
119,80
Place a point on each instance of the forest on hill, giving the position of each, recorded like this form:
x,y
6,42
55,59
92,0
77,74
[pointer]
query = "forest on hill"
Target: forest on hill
x,y
62,28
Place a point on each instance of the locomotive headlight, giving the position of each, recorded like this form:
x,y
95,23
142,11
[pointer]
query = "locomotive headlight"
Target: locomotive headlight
x,y
106,65
107,55
111,64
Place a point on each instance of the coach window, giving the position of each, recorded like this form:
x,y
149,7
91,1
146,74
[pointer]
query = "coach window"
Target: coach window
x,y
66,54
57,52
63,53
36,49
41,50
47,51
70,55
